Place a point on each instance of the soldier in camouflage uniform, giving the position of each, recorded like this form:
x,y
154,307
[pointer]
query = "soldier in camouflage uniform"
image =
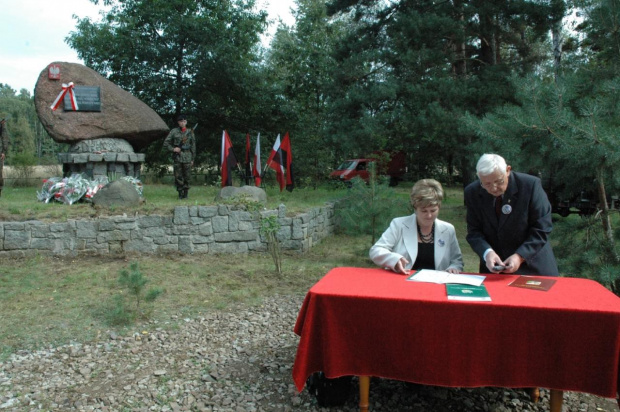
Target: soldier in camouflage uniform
x,y
4,148
181,142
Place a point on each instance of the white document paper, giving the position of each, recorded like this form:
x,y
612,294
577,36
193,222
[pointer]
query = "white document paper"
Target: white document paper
x,y
439,276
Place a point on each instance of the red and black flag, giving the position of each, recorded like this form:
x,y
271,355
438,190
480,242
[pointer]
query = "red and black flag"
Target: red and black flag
x,y
228,160
287,161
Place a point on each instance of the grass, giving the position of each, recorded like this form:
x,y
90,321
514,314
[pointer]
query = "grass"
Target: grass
x,y
20,203
53,300
49,300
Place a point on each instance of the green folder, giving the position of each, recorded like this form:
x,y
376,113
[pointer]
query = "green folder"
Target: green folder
x,y
467,292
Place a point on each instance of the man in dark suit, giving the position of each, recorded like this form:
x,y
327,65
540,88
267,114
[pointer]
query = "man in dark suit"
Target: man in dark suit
x,y
509,220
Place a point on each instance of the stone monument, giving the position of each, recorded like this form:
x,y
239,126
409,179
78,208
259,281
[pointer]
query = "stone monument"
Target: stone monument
x,y
117,193
251,192
104,124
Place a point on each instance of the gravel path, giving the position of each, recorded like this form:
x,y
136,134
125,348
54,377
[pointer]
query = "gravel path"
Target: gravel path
x,y
239,360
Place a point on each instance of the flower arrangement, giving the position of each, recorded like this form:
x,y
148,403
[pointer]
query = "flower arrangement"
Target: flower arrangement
x,y
137,184
69,190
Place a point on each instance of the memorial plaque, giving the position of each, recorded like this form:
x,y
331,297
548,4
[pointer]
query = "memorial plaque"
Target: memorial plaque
x,y
88,99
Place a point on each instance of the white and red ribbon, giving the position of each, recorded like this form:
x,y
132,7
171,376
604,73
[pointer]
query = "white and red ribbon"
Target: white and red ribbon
x,y
65,88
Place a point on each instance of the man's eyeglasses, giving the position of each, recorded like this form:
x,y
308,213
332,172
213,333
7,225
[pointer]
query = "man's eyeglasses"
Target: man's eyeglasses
x,y
496,183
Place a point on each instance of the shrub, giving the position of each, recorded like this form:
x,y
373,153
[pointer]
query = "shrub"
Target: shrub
x,y
120,311
368,208
595,257
23,164
269,228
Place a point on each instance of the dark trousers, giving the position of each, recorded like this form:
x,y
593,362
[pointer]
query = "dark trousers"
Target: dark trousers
x,y
182,174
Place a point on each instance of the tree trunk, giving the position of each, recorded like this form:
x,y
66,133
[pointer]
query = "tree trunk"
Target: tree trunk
x,y
605,218
460,65
488,41
467,167
557,40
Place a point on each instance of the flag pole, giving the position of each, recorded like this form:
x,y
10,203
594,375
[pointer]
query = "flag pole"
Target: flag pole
x,y
265,169
233,152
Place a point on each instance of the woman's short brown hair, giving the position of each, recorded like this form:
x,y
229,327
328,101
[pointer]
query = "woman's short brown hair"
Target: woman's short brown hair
x,y
425,193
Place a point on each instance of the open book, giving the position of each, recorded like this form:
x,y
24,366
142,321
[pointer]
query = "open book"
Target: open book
x,y
439,276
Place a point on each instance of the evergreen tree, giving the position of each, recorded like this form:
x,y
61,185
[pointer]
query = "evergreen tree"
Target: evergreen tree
x,y
22,140
29,141
301,67
199,57
411,69
368,208
565,125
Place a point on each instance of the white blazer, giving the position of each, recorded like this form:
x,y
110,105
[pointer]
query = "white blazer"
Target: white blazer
x,y
401,240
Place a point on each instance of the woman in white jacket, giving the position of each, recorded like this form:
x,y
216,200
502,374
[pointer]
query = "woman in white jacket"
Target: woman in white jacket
x,y
420,241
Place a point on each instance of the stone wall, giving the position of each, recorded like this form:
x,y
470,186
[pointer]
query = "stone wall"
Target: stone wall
x,y
190,229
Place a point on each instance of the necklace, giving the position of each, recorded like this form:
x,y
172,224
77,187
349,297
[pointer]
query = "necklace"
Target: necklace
x,y
430,238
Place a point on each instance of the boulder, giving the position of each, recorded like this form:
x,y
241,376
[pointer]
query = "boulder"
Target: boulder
x,y
122,115
117,193
103,145
251,192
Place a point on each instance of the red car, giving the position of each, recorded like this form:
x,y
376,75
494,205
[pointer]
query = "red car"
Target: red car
x,y
395,168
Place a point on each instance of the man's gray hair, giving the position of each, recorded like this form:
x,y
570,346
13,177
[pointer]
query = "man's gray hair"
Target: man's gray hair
x,y
489,164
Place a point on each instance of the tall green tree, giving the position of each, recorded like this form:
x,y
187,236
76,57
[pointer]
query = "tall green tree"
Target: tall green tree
x,y
573,111
411,69
564,125
301,65
29,141
199,57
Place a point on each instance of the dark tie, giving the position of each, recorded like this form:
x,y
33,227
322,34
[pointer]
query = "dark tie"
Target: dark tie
x,y
498,206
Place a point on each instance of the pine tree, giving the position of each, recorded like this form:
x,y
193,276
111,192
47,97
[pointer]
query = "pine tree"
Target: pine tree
x,y
565,124
368,208
410,70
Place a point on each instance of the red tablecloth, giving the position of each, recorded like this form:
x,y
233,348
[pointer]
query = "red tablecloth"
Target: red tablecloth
x,y
374,322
